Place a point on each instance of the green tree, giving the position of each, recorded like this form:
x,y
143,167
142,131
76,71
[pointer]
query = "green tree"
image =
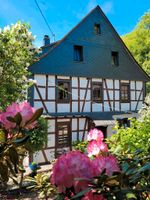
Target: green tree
x,y
16,54
138,42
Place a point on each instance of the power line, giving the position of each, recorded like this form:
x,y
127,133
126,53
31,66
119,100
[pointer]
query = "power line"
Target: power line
x,y
45,19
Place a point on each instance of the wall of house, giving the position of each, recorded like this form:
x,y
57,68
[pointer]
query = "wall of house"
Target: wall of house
x,y
80,102
81,95
79,129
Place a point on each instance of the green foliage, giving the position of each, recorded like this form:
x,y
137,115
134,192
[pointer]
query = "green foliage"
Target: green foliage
x,y
132,182
41,182
38,136
138,42
145,110
81,146
13,147
127,141
16,54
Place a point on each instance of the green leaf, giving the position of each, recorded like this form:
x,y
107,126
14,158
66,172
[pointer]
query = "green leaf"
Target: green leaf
x,y
145,167
16,119
35,116
4,172
131,196
80,194
22,141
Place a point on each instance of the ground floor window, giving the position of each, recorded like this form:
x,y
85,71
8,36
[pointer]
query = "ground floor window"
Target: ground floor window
x,y
63,137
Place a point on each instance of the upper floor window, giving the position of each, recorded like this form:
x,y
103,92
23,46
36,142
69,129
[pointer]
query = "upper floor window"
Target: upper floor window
x,y
125,92
97,29
115,58
97,92
78,53
63,91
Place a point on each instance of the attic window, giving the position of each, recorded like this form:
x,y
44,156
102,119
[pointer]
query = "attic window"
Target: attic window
x,y
78,53
97,29
115,58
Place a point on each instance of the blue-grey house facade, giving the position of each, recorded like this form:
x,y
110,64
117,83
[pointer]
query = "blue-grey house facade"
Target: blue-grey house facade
x,y
89,78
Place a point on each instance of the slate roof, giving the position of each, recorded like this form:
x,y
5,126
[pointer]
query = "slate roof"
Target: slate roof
x,y
55,57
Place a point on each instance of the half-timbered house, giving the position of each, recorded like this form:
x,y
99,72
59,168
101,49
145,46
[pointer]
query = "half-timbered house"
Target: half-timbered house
x,y
89,78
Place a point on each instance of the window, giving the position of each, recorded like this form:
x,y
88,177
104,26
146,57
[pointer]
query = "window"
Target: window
x,y
115,58
125,92
63,91
125,122
63,138
78,53
97,92
97,29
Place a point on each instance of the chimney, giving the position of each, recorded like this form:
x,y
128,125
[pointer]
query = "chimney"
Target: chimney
x,y
46,40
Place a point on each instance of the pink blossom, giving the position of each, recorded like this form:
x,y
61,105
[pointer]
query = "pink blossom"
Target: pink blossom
x,y
13,108
6,123
9,135
92,196
23,108
26,111
70,166
95,134
95,147
105,162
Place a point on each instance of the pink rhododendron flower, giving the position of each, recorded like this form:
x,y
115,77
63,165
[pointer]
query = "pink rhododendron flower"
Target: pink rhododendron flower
x,y
95,134
91,196
95,147
6,123
105,162
70,166
23,108
9,135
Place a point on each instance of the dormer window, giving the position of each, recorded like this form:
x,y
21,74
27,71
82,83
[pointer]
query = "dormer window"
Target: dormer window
x,y
97,29
78,53
115,58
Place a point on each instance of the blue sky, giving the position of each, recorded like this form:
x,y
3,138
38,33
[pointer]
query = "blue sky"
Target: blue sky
x,y
62,15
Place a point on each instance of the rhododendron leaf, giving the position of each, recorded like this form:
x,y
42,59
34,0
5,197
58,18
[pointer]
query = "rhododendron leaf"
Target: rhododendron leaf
x,y
80,194
4,172
16,119
11,119
10,168
21,169
145,167
35,116
112,181
22,141
131,196
13,155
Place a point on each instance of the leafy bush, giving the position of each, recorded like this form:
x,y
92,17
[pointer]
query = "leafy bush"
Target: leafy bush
x,y
126,141
17,53
14,126
101,176
38,136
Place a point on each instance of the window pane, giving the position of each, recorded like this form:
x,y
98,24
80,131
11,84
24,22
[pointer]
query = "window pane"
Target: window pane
x,y
125,92
97,94
63,91
115,58
78,53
